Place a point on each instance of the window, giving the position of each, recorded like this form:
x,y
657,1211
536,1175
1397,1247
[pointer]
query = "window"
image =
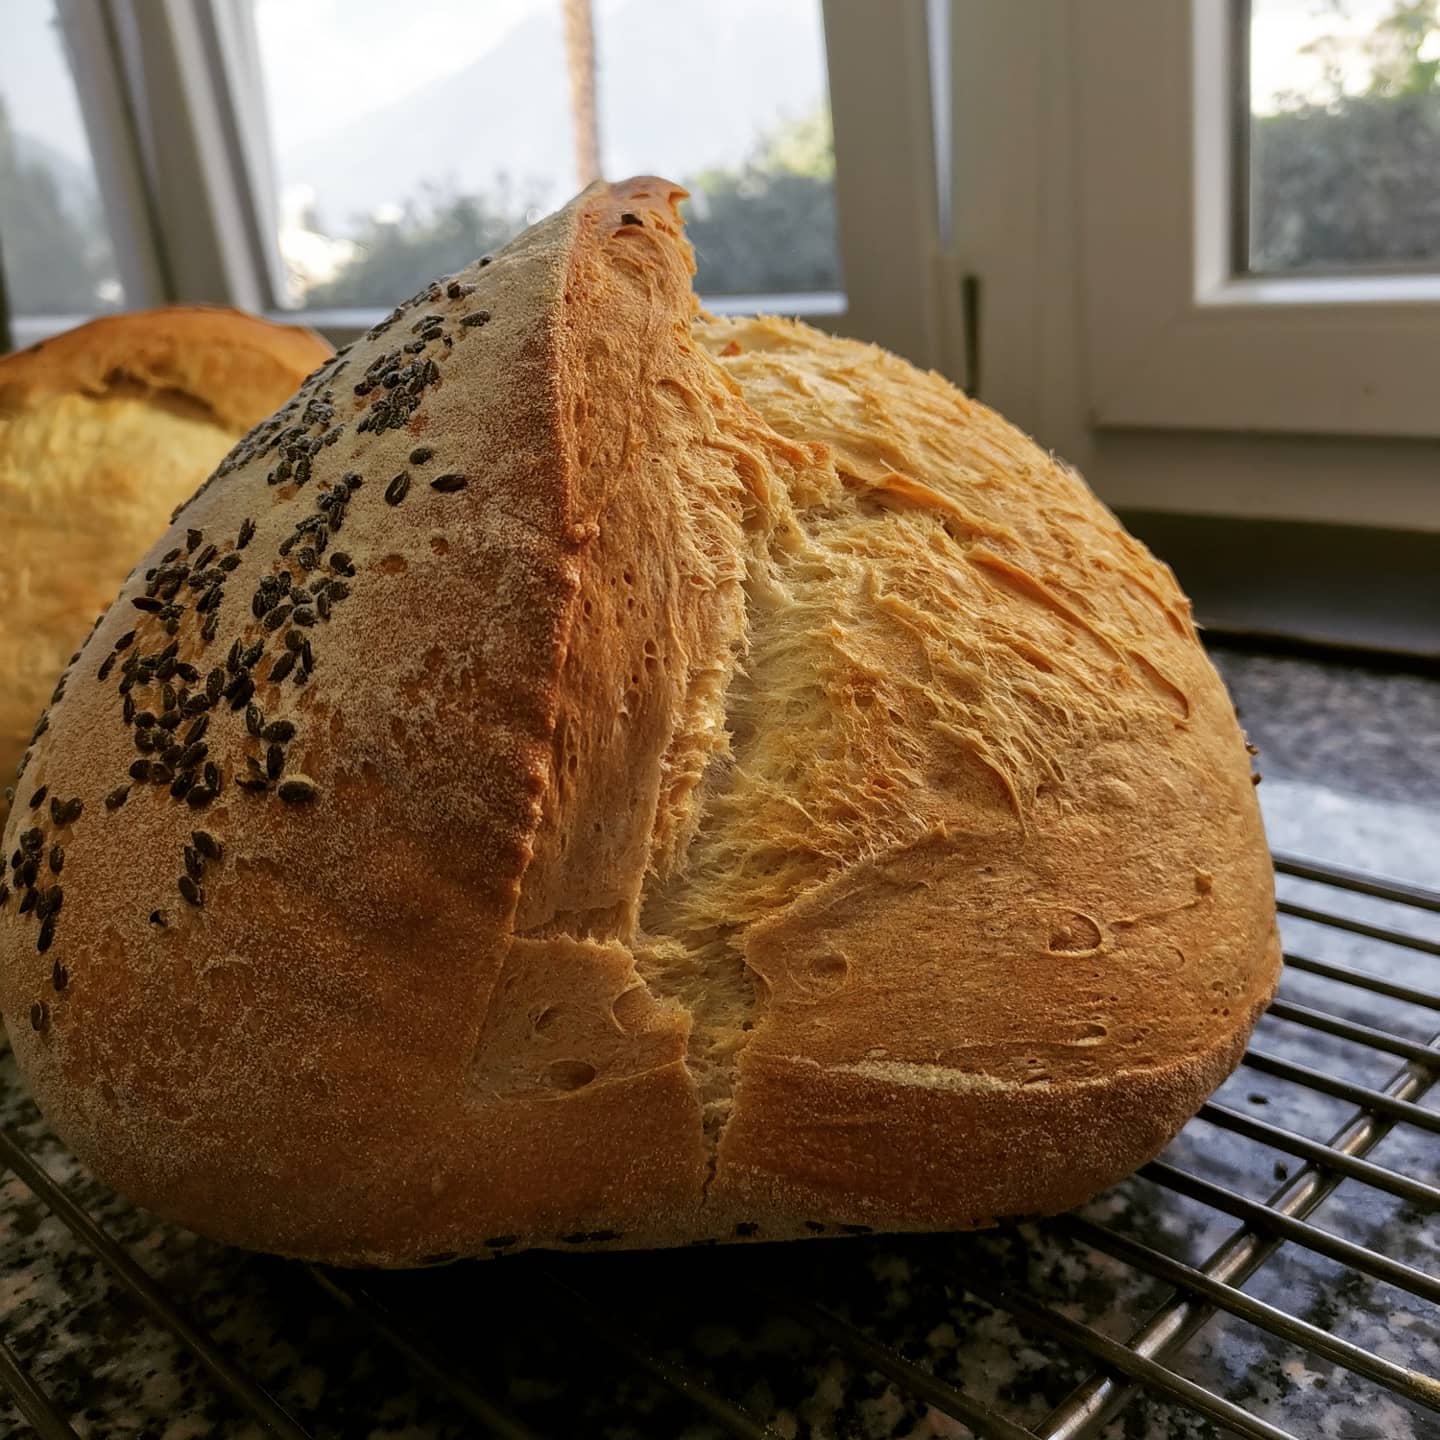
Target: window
x,y
55,243
730,99
415,147
401,158
1307,323
329,158
1343,136
1112,163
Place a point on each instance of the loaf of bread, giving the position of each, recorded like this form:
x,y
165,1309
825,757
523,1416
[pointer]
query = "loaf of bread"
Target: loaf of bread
x,y
103,431
584,773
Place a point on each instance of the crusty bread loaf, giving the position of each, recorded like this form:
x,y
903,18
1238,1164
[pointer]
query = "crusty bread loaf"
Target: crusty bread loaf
x,y
714,782
103,431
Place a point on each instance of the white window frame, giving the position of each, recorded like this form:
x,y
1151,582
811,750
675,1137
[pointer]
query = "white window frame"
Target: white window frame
x,y
1172,336
179,134
1022,162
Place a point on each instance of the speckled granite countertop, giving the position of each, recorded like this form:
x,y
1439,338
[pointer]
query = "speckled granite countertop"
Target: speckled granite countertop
x,y
1352,765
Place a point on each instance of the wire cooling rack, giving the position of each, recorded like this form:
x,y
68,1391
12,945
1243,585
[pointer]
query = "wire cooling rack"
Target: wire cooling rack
x,y
1269,1268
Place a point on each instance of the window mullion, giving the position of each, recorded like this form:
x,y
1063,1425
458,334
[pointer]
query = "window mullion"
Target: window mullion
x,y
885,182
199,184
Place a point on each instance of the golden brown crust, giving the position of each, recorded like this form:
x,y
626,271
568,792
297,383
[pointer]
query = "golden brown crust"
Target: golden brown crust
x,y
235,366
103,430
761,792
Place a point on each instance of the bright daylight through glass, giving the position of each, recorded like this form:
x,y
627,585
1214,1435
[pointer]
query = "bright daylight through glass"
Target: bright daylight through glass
x,y
1344,134
401,159
56,246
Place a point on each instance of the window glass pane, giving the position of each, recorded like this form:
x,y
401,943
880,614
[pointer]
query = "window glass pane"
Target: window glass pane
x,y
1344,134
54,243
419,145
728,97
433,132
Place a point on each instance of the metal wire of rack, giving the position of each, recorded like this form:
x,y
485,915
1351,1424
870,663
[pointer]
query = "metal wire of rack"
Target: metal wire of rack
x,y
1112,1371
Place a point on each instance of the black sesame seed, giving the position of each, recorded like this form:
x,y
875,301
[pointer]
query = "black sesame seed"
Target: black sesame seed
x,y
165,670
303,615
160,773
49,903
278,732
294,640
340,561
211,627
169,697
57,859
59,976
27,902
157,918
119,795
229,562
232,660
106,666
197,730
4,894
192,755
170,555
206,844
194,865
127,708
322,605
254,719
125,641
475,317
34,837
139,770
252,785
199,797
39,1015
196,704
397,489
214,684
191,891
46,935
180,785
308,558
206,556
193,538
448,484
211,775
281,668
145,603
275,618
250,657
297,789
274,761
38,798
247,533
240,691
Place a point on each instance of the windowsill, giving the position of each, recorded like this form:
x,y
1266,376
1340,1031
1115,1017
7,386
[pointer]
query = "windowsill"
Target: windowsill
x,y
343,326
1260,290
